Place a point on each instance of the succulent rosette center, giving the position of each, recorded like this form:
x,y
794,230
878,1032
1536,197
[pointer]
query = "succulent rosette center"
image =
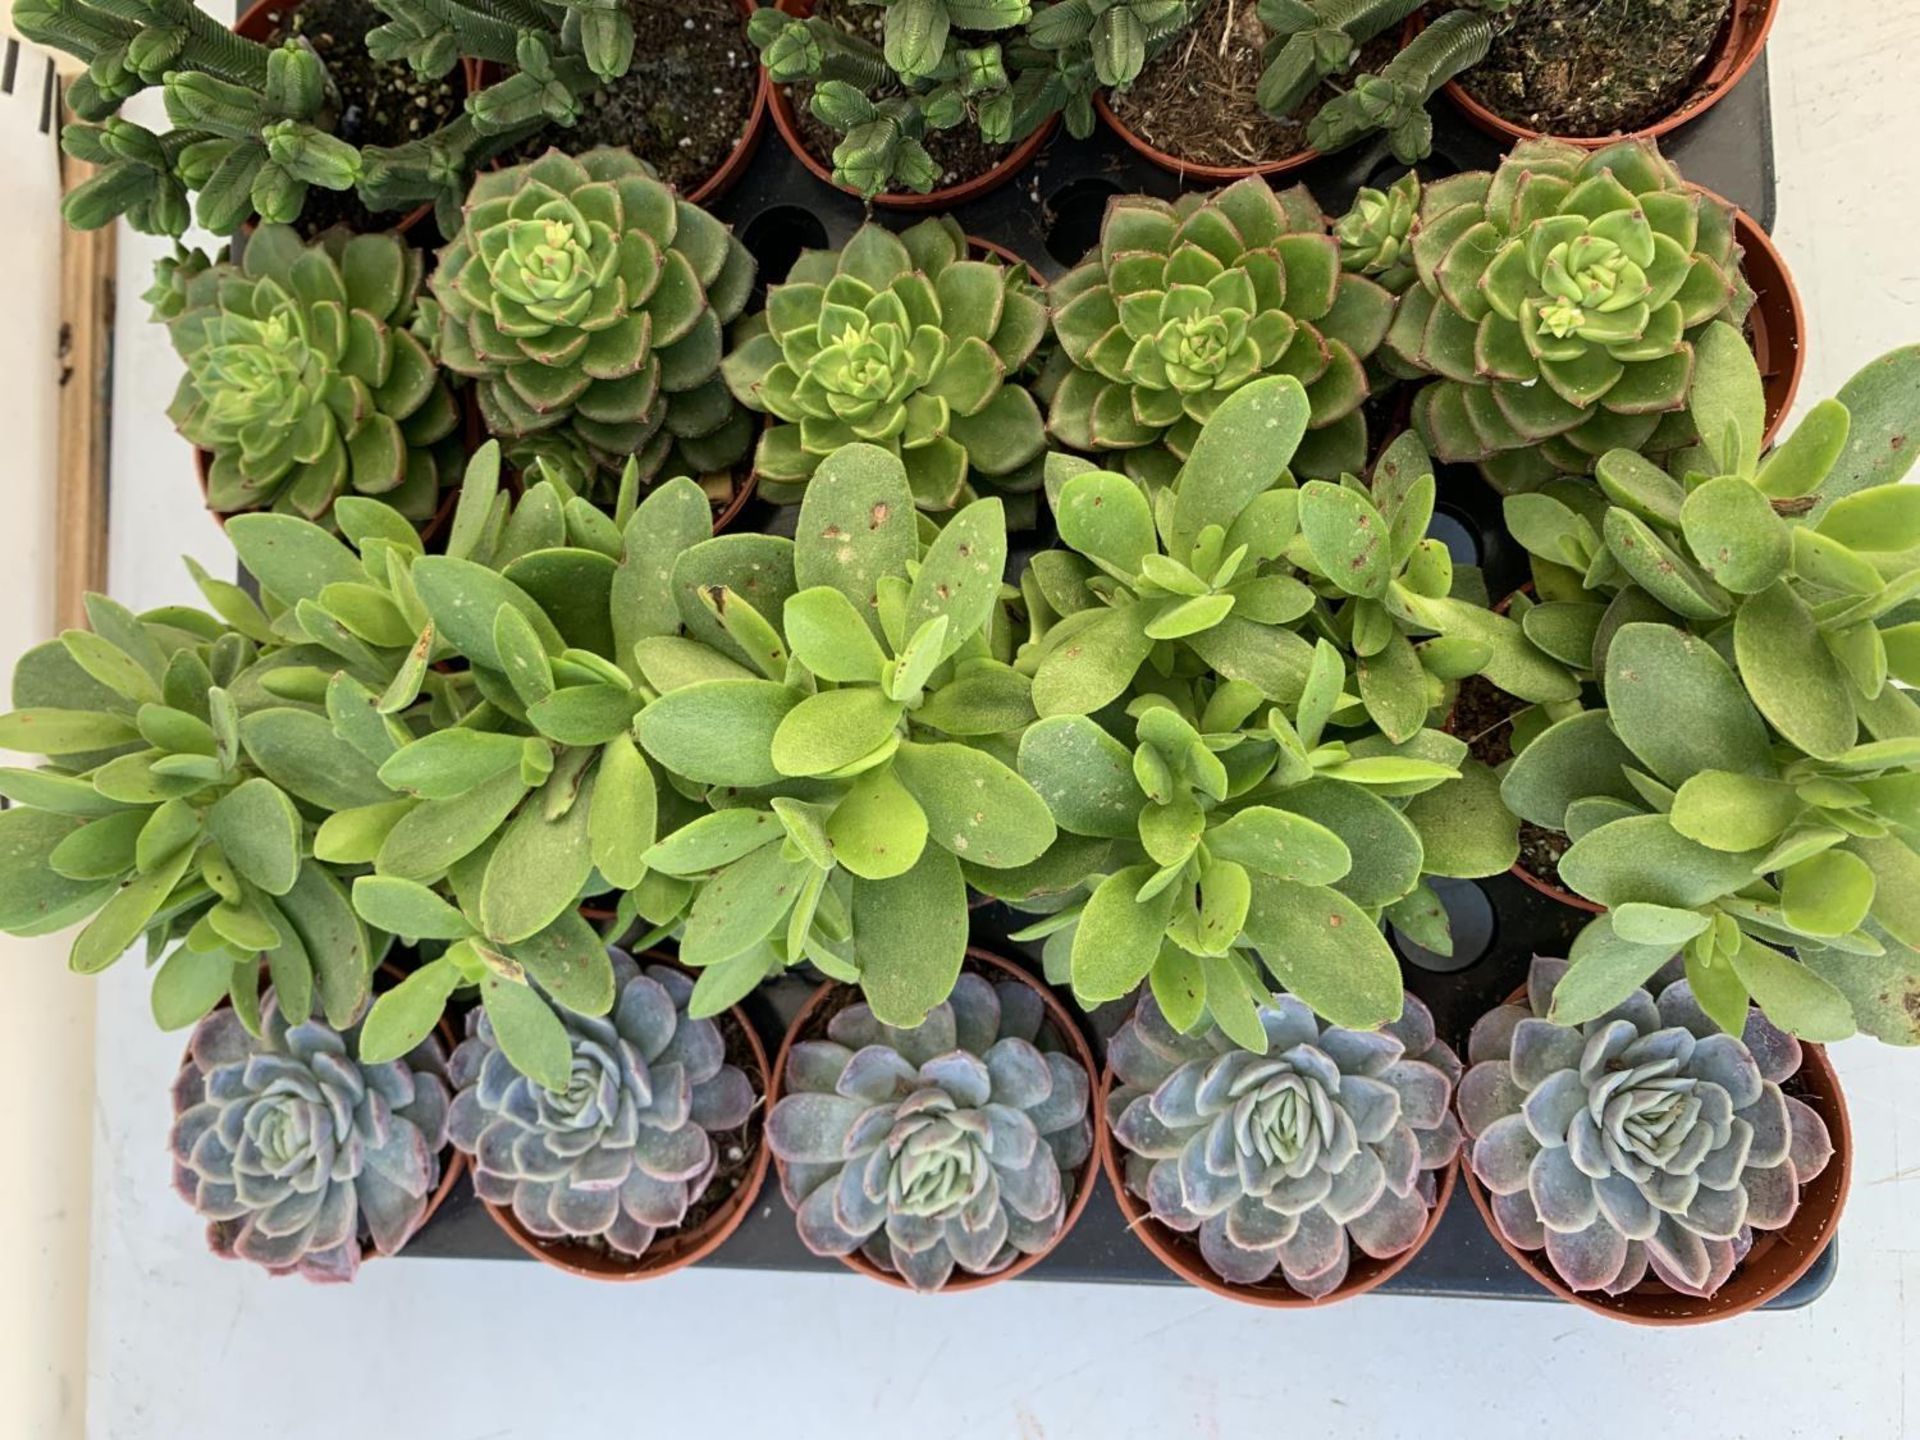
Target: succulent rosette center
x,y
255,373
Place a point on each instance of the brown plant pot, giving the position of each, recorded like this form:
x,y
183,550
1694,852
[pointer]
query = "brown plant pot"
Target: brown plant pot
x,y
833,997
1741,40
785,120
1778,1257
1778,319
1193,169
1181,1254
684,1247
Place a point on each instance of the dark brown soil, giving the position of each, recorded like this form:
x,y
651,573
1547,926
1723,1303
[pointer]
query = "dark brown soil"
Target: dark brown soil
x,y
1540,852
1594,67
959,152
1483,717
686,101
1195,100
380,103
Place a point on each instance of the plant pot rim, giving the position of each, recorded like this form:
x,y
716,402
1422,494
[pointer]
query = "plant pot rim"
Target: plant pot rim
x,y
786,121
1194,169
681,1248
1740,43
1771,1267
1069,1031
1182,1255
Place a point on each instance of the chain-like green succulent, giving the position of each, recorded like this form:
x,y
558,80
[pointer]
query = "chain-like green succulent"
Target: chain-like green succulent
x,y
583,293
304,379
903,342
1558,302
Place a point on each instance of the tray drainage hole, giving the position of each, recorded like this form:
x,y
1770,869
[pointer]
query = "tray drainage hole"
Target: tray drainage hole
x,y
1074,214
777,236
1457,533
1470,915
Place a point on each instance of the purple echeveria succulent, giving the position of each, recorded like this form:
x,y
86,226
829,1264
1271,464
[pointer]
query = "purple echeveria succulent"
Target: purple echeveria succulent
x,y
955,1143
295,1152
1278,1161
623,1152
1643,1140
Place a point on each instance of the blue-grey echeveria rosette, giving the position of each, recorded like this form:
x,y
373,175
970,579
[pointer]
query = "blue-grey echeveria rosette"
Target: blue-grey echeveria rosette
x,y
634,1141
1645,1142
295,1152
1334,1139
956,1144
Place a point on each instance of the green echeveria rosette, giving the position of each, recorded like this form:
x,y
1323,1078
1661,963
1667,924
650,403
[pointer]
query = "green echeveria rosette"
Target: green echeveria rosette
x,y
1643,1142
1558,300
1182,304
1333,1139
586,299
956,1144
1376,234
305,379
904,342
628,1146
295,1152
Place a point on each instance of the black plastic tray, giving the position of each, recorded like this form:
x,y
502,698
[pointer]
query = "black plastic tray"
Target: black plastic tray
x,y
1049,215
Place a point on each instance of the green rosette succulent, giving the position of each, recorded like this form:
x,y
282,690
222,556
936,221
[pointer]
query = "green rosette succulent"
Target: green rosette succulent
x,y
1181,304
900,341
583,293
1376,234
1558,302
305,379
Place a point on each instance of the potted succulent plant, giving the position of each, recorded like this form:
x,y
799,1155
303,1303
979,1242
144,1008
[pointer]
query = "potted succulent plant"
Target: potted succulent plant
x,y
302,1158
648,1158
1649,1163
1328,1159
945,1156
1741,793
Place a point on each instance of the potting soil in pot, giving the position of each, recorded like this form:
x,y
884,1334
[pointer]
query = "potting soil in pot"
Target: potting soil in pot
x,y
1483,717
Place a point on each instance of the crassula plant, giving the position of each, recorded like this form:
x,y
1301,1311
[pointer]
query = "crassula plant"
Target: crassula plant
x,y
307,377
901,341
635,1137
952,1146
300,1157
1558,302
587,302
1747,791
1181,304
1330,1142
1648,1142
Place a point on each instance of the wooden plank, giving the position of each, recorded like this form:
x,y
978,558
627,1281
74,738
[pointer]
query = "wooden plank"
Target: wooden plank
x,y
87,296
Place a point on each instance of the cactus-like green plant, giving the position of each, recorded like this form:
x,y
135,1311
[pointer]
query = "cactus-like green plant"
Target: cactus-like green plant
x,y
1746,791
1309,41
583,293
621,1153
953,1145
304,378
296,1154
1376,234
1646,1142
1331,1141
1394,99
1179,305
1558,302
901,341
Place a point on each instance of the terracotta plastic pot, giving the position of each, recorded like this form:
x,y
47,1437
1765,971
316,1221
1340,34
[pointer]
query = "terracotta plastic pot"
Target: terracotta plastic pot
x,y
833,997
1181,1253
682,1248
1740,42
1778,1257
787,122
1778,320
1193,169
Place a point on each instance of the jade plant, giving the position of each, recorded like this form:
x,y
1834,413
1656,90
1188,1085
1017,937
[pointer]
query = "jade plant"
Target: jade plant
x,y
1648,1142
1558,301
635,1138
1331,1141
306,376
1746,792
300,1157
1181,304
953,1145
843,703
900,341
587,301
